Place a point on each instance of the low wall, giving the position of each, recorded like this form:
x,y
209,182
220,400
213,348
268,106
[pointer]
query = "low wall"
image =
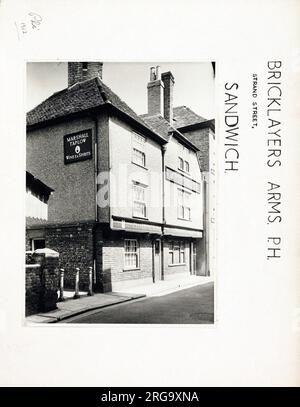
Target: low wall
x,y
42,281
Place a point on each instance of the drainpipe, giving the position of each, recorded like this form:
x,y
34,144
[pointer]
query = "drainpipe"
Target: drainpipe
x,y
163,150
96,200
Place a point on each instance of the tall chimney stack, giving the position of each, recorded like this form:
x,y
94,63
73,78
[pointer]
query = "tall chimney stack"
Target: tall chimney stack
x,y
168,81
81,71
155,92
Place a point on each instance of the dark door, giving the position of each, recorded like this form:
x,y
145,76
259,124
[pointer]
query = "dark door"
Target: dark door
x,y
156,260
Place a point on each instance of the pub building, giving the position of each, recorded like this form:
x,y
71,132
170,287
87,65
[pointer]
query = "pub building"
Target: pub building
x,y
128,194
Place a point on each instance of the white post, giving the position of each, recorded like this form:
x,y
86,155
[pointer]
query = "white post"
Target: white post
x,y
61,286
90,291
76,295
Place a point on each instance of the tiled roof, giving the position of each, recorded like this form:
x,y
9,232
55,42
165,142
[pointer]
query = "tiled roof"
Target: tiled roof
x,y
81,96
35,221
161,126
184,116
36,184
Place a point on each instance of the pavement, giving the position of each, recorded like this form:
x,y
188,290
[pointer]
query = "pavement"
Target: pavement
x,y
73,307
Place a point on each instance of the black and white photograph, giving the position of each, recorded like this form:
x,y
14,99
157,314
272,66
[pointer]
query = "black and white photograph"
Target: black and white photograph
x,y
149,199
120,192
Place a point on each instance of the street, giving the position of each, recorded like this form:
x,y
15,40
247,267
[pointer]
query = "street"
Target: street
x,y
188,306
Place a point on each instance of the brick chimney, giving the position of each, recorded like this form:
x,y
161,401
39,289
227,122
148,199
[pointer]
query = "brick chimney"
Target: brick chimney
x,y
155,92
168,81
81,71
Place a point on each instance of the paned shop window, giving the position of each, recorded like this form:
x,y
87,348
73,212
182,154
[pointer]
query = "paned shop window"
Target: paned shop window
x,y
139,200
177,253
132,254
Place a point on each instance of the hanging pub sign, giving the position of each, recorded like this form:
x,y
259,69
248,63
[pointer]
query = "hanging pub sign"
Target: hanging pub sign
x,y
78,146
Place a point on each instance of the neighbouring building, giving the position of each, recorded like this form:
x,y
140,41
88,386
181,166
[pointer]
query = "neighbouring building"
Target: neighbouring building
x,y
129,195
37,197
201,132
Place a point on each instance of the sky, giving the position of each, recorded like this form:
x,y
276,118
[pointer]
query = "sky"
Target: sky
x,y
194,83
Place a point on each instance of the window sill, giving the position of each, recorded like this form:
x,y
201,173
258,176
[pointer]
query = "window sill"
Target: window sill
x,y
139,217
139,165
187,220
131,269
177,264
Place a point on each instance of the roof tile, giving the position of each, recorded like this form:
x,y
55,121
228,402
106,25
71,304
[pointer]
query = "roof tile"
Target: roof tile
x,y
184,116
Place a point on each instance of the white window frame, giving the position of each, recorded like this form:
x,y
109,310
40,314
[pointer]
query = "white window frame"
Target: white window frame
x,y
184,208
132,254
183,165
138,146
180,161
186,166
34,239
179,248
135,153
141,202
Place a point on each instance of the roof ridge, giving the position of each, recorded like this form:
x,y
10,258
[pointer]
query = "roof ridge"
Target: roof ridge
x,y
48,98
103,94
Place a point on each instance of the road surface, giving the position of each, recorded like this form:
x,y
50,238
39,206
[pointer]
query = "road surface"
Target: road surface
x,y
189,306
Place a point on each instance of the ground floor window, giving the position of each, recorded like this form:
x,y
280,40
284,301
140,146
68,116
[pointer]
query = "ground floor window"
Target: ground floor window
x,y
132,254
37,244
177,253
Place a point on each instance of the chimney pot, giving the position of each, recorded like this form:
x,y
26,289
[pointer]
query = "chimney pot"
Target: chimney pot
x,y
155,92
157,72
152,73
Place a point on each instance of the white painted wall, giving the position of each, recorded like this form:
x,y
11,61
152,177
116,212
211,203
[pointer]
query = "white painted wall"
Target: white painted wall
x,y
173,151
123,172
35,208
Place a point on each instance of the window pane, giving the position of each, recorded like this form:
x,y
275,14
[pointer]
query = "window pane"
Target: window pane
x,y
182,252
139,193
139,209
188,213
181,163
138,157
131,253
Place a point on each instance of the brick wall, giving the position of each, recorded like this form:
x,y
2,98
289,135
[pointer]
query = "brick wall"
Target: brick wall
x,y
200,138
168,81
33,289
73,199
27,242
42,281
110,261
103,166
76,73
74,243
155,97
